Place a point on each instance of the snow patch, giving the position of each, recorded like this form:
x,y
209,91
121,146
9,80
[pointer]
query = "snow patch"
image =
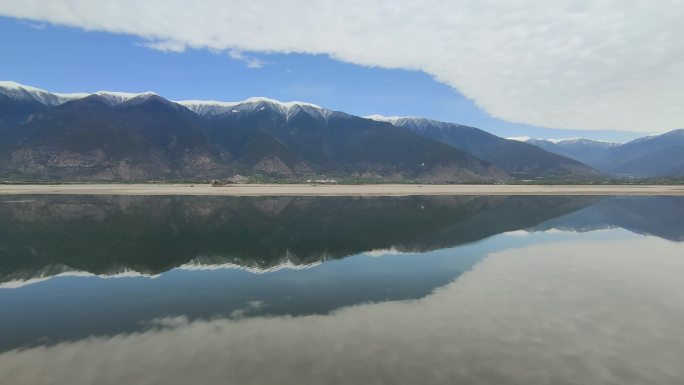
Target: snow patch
x,y
520,138
286,265
383,252
23,92
215,107
388,119
15,284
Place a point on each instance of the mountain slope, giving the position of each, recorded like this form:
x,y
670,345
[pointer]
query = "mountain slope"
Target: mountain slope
x,y
118,136
590,152
13,112
89,139
519,159
661,155
651,156
287,139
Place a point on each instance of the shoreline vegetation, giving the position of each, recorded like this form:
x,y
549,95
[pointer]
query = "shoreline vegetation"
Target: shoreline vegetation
x,y
330,189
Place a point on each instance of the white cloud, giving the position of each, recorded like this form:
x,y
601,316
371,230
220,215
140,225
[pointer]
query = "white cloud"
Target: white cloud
x,y
593,65
38,26
164,45
249,61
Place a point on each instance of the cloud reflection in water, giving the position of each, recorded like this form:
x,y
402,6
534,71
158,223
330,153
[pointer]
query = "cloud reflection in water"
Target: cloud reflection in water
x,y
567,312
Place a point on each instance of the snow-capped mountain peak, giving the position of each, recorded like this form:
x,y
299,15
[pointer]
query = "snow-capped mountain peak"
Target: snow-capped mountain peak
x,y
201,107
214,107
22,92
401,120
398,120
10,85
564,141
258,99
583,141
413,121
115,98
382,118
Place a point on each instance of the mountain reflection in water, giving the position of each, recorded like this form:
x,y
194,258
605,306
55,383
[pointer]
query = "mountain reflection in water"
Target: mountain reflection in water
x,y
112,234
576,290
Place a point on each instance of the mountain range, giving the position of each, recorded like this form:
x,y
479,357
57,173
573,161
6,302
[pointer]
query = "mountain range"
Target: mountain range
x,y
650,156
521,160
114,136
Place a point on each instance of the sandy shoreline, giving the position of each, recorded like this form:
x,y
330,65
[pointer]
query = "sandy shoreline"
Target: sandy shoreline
x,y
336,190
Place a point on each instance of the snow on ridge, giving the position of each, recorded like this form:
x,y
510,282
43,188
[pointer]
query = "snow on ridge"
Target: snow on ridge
x,y
382,118
48,98
393,119
129,95
127,273
122,96
415,122
16,86
286,265
193,265
22,92
257,99
558,140
215,107
392,250
200,107
520,138
562,140
70,96
582,140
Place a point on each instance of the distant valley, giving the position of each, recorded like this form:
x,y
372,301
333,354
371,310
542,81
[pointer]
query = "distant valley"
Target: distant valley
x,y
113,136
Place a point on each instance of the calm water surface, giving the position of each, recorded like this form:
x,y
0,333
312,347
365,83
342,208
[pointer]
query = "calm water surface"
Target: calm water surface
x,y
402,290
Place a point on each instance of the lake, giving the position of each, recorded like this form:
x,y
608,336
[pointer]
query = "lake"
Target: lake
x,y
341,290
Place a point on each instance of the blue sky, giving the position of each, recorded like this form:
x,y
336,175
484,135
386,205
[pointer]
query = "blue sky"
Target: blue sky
x,y
65,59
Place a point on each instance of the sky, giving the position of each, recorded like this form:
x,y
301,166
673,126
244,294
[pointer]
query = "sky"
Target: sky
x,y
602,69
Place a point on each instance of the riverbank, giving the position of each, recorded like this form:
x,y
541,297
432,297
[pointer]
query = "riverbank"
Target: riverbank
x,y
336,190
